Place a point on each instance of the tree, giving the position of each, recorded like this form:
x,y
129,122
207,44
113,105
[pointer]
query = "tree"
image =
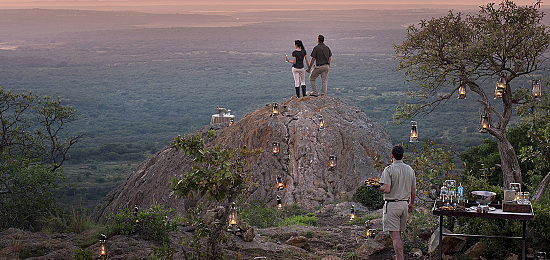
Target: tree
x,y
467,50
33,146
218,174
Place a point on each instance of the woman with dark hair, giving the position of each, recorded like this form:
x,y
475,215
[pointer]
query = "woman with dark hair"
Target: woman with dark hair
x,y
298,69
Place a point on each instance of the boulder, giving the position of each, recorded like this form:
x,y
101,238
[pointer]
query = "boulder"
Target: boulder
x,y
511,256
302,162
299,241
384,238
450,244
476,250
331,258
249,235
416,252
369,248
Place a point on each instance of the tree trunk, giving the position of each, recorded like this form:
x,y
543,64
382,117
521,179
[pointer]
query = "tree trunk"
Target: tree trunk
x,y
509,162
542,187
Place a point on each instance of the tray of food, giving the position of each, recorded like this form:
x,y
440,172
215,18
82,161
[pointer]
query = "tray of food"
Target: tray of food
x,y
373,182
456,208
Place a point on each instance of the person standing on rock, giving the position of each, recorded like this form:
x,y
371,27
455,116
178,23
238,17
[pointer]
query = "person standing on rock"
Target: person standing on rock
x,y
298,69
321,55
398,183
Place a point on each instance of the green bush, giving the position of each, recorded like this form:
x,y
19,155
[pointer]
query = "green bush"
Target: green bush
x,y
258,215
369,197
83,255
152,224
303,220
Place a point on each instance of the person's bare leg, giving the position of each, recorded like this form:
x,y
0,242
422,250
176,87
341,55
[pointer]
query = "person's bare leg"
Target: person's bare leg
x,y
397,244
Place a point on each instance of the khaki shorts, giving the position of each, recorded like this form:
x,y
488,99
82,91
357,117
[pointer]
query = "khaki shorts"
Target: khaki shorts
x,y
395,215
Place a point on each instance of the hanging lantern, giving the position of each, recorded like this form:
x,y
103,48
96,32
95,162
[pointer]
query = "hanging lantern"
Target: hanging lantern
x,y
280,184
484,124
462,92
275,148
321,123
332,161
136,209
233,218
536,89
103,246
500,87
279,202
414,132
275,109
231,121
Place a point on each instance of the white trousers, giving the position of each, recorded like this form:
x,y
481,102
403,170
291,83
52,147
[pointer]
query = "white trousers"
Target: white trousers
x,y
299,76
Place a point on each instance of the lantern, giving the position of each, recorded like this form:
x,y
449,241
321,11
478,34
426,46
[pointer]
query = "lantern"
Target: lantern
x,y
275,109
321,123
275,148
280,184
414,132
231,121
500,87
279,202
136,209
541,256
462,92
536,89
484,124
352,213
233,218
367,228
371,233
102,247
332,161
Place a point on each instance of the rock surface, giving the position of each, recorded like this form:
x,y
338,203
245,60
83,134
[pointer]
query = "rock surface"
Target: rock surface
x,y
450,244
476,250
349,134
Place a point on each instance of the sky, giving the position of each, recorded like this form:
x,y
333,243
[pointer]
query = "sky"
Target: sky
x,y
240,5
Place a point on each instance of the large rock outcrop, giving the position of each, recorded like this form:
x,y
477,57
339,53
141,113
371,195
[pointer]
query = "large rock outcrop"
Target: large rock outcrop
x,y
302,162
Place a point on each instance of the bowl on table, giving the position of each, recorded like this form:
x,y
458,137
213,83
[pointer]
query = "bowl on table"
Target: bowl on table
x,y
483,198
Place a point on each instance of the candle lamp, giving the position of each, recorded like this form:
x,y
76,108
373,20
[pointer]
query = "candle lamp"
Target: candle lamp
x,y
371,233
136,210
233,218
280,184
275,109
103,247
462,92
275,148
536,89
484,123
414,132
352,213
321,123
231,121
332,161
279,202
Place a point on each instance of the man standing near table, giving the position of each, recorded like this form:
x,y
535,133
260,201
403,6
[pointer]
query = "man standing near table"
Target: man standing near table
x,y
321,55
398,183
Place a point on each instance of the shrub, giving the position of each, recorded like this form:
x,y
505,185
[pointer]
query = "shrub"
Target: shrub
x,y
151,224
257,214
369,197
83,255
304,220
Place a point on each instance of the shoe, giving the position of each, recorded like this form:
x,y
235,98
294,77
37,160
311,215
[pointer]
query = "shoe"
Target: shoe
x,y
297,92
303,90
313,95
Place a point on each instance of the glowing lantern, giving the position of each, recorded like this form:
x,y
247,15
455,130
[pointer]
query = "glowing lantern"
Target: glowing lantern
x,y
332,161
102,247
275,148
500,87
231,121
536,89
136,209
275,109
321,123
484,124
414,132
279,202
352,213
280,184
371,233
233,218
462,92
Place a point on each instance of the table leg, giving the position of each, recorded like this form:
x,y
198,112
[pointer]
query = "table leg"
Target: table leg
x,y
523,241
440,237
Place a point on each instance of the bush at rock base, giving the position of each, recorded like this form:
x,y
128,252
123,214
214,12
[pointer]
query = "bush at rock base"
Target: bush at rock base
x,y
151,224
369,197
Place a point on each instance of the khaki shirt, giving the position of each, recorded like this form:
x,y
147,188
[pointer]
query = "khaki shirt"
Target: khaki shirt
x,y
400,177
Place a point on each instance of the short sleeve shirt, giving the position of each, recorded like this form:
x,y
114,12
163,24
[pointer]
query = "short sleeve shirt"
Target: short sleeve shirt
x,y
401,178
322,54
299,58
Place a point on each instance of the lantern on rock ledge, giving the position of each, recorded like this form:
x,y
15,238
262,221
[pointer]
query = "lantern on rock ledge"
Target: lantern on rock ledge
x,y
484,123
414,132
332,161
279,202
275,148
321,123
536,89
352,213
280,184
233,218
231,121
102,247
462,92
136,209
275,109
371,233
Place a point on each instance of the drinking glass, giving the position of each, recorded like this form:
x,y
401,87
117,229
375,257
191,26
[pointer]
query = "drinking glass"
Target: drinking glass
x,y
525,198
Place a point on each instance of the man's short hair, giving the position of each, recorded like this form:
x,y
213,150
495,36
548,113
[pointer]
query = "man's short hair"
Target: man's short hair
x,y
321,38
398,152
